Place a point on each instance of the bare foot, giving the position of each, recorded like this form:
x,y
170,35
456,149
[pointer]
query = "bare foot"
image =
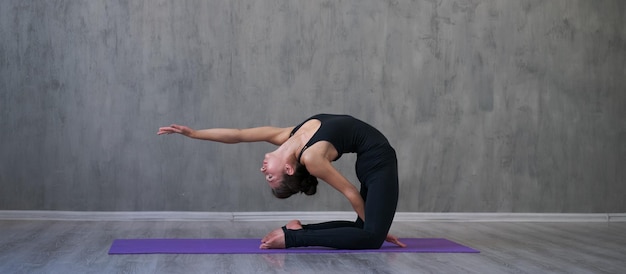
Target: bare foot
x,y
294,225
273,240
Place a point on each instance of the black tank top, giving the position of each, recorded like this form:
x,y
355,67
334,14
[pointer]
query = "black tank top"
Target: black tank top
x,y
346,133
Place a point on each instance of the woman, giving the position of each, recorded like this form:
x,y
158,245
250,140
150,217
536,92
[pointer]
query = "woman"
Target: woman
x,y
304,154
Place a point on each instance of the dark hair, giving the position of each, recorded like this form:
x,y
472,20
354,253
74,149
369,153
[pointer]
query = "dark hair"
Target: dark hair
x,y
300,181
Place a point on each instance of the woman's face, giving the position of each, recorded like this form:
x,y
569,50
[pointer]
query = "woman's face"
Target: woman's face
x,y
272,169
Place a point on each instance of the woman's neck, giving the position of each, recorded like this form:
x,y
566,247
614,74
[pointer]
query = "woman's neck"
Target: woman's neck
x,y
290,149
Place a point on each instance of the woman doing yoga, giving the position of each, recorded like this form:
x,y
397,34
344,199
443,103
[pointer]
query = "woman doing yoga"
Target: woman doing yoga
x,y
305,153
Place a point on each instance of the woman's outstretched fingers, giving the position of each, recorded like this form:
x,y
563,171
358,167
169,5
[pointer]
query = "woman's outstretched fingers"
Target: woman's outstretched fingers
x,y
394,240
164,130
174,128
168,130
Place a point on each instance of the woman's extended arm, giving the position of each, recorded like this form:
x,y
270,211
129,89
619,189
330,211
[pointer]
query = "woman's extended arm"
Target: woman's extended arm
x,y
273,135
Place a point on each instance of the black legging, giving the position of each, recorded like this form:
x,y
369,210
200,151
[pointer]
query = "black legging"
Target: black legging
x,y
378,173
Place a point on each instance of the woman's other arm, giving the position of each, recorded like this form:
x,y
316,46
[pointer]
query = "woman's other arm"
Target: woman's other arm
x,y
323,169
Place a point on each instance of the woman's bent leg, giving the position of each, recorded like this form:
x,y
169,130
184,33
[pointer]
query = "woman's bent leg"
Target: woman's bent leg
x,y
381,198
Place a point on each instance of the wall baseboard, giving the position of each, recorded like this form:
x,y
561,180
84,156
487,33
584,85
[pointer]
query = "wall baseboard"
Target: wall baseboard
x,y
305,216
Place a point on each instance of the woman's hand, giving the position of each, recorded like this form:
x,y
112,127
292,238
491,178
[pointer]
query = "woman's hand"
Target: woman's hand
x,y
394,240
184,130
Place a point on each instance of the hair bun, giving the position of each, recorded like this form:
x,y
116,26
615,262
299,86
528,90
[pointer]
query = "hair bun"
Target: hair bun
x,y
301,181
309,185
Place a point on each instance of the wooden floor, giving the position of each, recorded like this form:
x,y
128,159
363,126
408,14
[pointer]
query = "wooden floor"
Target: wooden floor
x,y
81,247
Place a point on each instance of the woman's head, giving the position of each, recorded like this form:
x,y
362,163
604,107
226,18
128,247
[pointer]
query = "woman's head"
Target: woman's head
x,y
299,181
273,168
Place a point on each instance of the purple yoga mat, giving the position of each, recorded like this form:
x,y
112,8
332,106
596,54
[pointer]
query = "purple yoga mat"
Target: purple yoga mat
x,y
251,246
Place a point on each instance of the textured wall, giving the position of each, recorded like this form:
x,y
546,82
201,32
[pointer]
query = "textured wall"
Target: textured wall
x,y
508,106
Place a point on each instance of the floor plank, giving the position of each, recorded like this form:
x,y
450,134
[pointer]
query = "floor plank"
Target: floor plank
x,y
30,246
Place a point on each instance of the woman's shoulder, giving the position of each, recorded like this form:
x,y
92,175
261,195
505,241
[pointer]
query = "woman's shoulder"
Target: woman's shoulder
x,y
319,152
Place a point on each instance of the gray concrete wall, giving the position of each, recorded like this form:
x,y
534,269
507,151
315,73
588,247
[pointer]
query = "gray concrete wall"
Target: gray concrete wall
x,y
493,106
